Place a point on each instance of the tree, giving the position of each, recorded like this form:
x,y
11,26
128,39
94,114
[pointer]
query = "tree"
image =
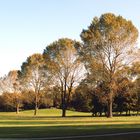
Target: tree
x,y
82,97
99,99
125,98
34,76
28,99
56,96
137,90
65,66
11,102
11,84
109,45
135,73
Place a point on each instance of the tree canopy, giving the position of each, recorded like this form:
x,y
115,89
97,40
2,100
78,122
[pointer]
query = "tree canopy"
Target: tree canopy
x,y
64,63
109,45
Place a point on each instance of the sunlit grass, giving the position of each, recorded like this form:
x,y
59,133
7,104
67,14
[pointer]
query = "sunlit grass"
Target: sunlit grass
x,y
45,112
49,122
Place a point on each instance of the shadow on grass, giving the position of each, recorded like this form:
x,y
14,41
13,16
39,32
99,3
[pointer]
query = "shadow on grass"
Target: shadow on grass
x,y
56,131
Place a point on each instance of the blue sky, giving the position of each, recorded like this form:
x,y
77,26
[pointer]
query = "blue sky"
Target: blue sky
x,y
28,26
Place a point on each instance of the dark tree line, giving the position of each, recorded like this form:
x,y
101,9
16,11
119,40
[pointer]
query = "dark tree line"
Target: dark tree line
x,y
126,99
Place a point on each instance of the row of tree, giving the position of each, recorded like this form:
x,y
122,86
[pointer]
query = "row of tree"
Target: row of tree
x,y
83,98
101,74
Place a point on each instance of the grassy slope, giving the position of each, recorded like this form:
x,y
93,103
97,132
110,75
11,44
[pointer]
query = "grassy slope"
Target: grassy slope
x,y
49,123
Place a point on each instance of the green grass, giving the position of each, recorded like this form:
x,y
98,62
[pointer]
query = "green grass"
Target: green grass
x,y
49,123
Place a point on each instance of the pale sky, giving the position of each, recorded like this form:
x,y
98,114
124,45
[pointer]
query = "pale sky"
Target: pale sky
x,y
28,26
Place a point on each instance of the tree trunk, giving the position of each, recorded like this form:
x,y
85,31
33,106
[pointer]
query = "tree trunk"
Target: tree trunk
x,y
126,113
64,102
129,112
110,114
100,114
17,109
63,112
110,96
64,107
54,101
137,112
35,111
36,105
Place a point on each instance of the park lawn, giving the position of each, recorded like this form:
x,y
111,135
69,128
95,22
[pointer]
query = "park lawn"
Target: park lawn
x,y
49,123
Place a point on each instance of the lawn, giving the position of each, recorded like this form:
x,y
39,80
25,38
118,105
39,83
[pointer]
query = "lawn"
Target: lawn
x,y
49,123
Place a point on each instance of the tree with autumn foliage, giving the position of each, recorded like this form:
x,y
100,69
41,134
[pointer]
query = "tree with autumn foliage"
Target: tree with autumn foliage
x,y
109,45
34,76
135,73
125,98
11,88
65,66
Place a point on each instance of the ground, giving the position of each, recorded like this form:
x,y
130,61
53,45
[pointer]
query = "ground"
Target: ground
x,y
49,123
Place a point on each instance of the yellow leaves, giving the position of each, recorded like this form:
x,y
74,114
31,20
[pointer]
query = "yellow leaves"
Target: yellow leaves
x,y
108,18
35,59
110,38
